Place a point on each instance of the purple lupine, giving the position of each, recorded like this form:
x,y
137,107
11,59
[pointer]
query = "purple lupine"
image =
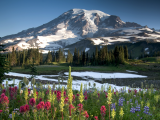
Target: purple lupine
x,y
136,101
149,114
113,106
130,100
121,101
138,108
132,110
146,109
123,91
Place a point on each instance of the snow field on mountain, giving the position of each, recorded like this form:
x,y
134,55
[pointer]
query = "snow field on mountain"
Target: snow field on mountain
x,y
97,41
132,31
23,45
146,29
87,49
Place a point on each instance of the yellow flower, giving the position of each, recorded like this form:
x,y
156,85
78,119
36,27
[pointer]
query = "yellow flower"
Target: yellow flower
x,y
142,103
109,95
113,113
81,97
121,112
154,108
156,97
148,104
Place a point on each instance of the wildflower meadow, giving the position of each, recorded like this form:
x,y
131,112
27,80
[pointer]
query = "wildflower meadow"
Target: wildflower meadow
x,y
39,103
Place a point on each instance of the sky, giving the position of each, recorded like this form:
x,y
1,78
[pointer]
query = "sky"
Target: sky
x,y
18,15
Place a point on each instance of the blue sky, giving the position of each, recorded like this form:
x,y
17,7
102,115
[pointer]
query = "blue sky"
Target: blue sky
x,y
18,15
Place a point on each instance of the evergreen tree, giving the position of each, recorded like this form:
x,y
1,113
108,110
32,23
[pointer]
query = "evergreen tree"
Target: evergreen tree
x,y
41,58
4,64
49,58
81,58
113,59
78,58
96,56
18,58
13,58
60,56
87,59
75,57
121,55
84,59
125,52
23,59
106,55
93,59
69,57
116,55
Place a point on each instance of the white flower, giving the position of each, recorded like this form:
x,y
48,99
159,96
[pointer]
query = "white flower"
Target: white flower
x,y
21,91
31,92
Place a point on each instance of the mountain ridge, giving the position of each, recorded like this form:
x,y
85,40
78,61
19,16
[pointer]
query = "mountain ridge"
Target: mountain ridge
x,y
72,26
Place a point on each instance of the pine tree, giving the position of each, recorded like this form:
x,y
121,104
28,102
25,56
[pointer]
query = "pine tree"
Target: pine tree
x,y
4,64
106,55
87,59
93,59
125,52
121,55
23,59
60,55
78,58
84,59
41,58
69,57
96,56
75,57
13,58
49,58
18,58
116,55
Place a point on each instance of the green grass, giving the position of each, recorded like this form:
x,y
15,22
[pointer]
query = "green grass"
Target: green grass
x,y
54,69
151,59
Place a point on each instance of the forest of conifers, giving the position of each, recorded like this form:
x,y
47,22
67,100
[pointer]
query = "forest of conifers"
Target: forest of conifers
x,y
99,57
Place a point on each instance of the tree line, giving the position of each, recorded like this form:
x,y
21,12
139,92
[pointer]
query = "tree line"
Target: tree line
x,y
99,57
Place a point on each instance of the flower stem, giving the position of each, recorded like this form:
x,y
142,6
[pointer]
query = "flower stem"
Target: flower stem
x,y
80,115
70,111
109,112
62,115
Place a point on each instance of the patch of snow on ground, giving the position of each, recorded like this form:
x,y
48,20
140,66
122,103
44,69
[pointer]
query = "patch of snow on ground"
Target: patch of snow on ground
x,y
131,71
106,75
75,83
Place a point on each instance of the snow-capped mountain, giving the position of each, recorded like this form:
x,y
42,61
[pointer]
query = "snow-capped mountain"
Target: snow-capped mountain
x,y
71,27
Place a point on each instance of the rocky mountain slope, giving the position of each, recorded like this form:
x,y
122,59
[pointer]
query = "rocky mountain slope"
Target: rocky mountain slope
x,y
75,25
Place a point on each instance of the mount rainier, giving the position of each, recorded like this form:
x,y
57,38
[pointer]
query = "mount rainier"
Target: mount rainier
x,y
75,25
